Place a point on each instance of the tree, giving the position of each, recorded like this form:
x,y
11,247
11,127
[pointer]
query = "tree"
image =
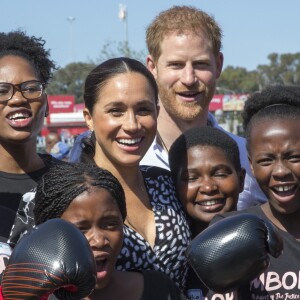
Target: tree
x,y
113,49
238,80
70,80
283,69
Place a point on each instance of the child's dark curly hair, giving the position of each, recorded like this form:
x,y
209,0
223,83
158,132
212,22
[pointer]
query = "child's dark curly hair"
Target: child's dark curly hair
x,y
272,103
31,49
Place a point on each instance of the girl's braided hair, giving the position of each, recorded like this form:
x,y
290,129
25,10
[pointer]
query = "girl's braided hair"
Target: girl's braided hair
x,y
63,182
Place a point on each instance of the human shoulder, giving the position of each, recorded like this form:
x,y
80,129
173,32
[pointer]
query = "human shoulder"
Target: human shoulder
x,y
153,171
158,178
241,141
24,220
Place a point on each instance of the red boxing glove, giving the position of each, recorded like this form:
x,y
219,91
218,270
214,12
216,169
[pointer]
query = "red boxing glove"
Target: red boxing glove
x,y
53,258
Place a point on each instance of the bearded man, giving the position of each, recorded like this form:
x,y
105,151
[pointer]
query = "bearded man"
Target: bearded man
x,y
185,57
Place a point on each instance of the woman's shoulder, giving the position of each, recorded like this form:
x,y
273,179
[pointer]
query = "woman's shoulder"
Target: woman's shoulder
x,y
154,171
158,179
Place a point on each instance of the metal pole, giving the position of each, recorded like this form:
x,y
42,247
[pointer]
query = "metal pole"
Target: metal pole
x,y
71,20
123,16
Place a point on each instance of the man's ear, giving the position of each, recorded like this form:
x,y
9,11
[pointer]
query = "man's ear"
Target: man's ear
x,y
220,60
88,119
242,179
151,65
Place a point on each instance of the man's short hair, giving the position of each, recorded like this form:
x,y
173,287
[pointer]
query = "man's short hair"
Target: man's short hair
x,y
180,19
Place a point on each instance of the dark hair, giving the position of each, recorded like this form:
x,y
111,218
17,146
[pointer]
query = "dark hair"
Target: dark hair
x,y
58,187
100,75
97,79
279,102
203,136
30,48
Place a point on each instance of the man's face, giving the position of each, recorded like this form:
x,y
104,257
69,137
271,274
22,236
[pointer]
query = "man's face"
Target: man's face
x,y
186,74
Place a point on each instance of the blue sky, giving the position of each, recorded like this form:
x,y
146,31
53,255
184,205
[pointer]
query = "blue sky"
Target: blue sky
x,y
252,28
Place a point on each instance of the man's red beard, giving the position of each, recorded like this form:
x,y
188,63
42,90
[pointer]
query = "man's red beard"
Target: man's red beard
x,y
186,111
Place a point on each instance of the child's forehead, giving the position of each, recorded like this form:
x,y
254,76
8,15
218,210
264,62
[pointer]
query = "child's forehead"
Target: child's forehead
x,y
204,147
276,124
93,192
209,151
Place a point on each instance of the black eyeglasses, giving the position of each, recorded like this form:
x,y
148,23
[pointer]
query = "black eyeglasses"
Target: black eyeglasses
x,y
30,90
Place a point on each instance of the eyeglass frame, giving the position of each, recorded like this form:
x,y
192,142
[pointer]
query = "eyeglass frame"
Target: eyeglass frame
x,y
17,87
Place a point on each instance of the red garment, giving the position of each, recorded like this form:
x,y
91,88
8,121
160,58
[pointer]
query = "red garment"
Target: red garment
x,y
1,297
42,298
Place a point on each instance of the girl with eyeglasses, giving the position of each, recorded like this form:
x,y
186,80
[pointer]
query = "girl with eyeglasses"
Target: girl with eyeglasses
x,y
25,69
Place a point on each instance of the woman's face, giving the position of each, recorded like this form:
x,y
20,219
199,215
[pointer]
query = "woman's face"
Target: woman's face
x,y
208,183
124,119
97,215
21,120
275,161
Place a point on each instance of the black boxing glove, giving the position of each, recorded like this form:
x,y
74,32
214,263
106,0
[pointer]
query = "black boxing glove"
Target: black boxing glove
x,y
54,257
233,251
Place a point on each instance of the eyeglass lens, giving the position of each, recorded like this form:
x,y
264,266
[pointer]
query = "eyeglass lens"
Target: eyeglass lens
x,y
29,90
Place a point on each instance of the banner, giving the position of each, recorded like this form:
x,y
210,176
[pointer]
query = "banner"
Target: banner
x,y
61,103
234,102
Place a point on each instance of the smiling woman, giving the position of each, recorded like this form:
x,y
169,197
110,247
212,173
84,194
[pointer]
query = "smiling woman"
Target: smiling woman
x,y
25,69
121,111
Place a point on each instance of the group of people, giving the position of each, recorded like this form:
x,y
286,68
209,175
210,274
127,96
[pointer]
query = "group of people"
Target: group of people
x,y
155,168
